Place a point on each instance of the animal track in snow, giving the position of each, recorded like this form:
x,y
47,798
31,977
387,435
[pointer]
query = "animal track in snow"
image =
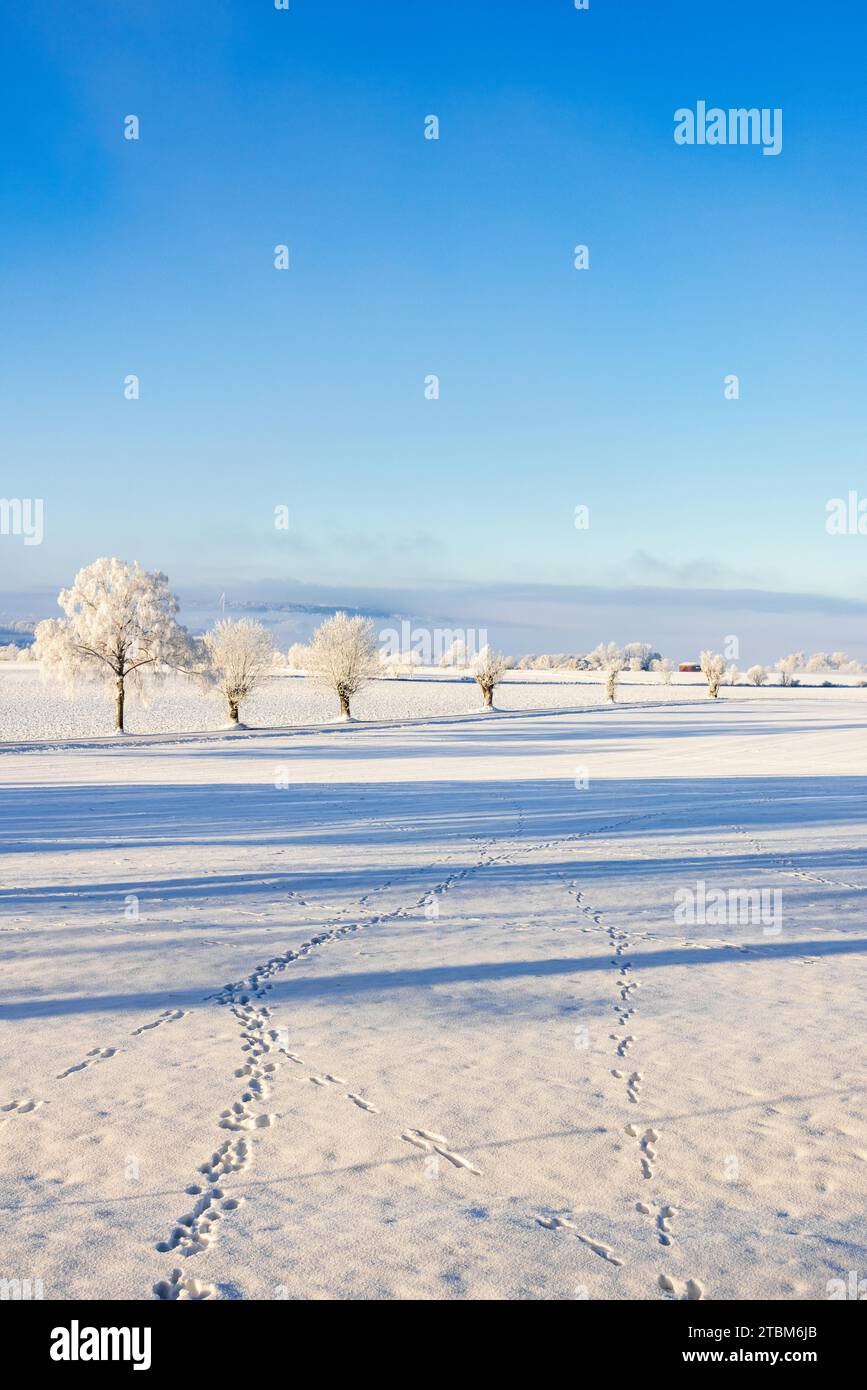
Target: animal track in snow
x,y
256,1078
238,1117
179,1286
258,982
692,1290
787,865
232,1156
437,1143
96,1054
663,1218
197,1229
646,1143
361,1103
422,1138
102,1054
167,1016
620,943
21,1107
457,1160
633,1083
556,1223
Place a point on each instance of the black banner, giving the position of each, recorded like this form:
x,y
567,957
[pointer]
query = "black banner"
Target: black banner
x,y
82,1339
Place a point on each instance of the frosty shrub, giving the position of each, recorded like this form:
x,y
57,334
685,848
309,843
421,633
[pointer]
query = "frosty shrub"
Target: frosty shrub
x,y
488,669
343,657
239,654
120,625
757,675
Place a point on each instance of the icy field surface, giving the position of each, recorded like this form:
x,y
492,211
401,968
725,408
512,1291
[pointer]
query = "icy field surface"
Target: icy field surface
x,y
405,1012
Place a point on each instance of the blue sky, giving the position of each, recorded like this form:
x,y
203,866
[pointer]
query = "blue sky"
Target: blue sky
x,y
454,257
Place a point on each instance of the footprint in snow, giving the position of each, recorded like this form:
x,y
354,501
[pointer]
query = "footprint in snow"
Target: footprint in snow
x,y
691,1291
557,1223
96,1054
361,1103
437,1143
21,1107
168,1016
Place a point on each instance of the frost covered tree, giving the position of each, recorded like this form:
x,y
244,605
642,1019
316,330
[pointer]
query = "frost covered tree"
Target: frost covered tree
x,y
240,654
663,668
732,674
713,668
819,661
602,657
787,666
488,669
120,624
757,675
342,657
640,656
296,657
455,655
612,675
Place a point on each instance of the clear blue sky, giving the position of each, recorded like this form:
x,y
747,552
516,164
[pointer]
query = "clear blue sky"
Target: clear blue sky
x,y
453,257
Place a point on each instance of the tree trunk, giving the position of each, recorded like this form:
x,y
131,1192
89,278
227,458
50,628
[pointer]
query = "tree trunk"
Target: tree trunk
x,y
233,710
488,694
344,704
118,704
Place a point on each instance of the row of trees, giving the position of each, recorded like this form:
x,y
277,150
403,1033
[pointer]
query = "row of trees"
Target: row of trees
x,y
716,673
634,656
120,627
638,656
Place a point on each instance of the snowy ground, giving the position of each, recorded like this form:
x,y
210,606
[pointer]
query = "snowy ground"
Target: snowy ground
x,y
33,708
402,1011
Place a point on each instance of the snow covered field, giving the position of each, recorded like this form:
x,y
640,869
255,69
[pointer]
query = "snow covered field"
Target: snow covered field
x,y
405,1011
32,708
